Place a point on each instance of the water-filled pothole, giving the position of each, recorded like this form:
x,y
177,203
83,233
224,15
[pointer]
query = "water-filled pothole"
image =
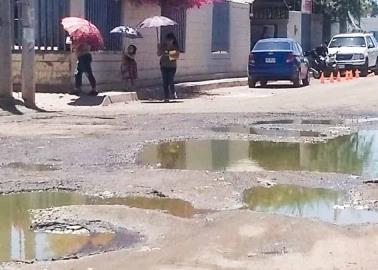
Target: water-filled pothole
x,y
353,154
20,243
305,202
270,132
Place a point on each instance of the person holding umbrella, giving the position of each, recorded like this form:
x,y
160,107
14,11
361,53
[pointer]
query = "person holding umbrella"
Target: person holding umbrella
x,y
84,37
169,52
84,65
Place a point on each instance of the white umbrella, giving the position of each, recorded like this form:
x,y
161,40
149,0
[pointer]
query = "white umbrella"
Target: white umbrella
x,y
127,31
157,22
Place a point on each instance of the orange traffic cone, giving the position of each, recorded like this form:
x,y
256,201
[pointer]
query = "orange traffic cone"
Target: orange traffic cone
x,y
347,75
357,74
338,76
322,80
331,78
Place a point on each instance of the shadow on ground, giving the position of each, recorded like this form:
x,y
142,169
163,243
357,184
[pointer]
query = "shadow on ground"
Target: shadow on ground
x,y
87,101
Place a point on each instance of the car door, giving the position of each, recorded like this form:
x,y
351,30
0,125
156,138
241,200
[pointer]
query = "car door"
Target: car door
x,y
372,51
375,51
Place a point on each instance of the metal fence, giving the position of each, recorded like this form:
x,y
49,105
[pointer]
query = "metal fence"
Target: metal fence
x,y
49,33
179,16
105,15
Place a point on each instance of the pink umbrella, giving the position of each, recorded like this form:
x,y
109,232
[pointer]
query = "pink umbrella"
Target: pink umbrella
x,y
82,31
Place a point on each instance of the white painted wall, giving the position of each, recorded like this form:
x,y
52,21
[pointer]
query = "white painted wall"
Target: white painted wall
x,y
294,26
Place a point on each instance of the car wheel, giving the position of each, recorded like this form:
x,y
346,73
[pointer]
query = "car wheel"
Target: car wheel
x,y
365,70
251,83
264,83
306,81
297,80
316,75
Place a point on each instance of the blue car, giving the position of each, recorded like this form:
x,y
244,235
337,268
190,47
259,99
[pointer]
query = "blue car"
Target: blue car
x,y
278,59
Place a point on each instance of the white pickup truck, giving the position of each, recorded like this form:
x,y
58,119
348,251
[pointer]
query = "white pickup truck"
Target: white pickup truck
x,y
355,51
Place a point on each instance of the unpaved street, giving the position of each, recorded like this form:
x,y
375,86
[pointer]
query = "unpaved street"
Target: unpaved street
x,y
96,151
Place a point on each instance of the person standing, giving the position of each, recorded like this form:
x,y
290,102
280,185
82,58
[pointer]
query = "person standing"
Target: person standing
x,y
169,53
129,68
84,65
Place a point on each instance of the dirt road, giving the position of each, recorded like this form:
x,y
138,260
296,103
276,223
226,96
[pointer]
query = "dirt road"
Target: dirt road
x,y
94,150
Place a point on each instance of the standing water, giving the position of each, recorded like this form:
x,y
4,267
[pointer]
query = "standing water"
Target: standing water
x,y
19,243
305,202
353,154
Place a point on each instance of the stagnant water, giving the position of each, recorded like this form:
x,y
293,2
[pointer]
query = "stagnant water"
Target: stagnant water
x,y
304,202
18,242
353,154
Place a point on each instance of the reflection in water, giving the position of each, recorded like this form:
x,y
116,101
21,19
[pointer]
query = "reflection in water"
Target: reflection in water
x,y
174,207
18,242
352,154
306,202
269,132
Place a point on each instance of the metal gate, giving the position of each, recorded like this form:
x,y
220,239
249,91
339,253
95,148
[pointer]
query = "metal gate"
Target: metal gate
x,y
106,15
49,33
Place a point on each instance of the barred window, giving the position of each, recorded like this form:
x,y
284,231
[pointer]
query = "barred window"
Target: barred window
x,y
179,16
221,27
106,15
49,33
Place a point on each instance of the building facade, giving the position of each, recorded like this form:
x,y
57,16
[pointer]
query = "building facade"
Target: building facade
x,y
214,39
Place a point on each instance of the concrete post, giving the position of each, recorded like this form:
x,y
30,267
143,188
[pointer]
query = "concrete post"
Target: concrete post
x,y
28,53
5,50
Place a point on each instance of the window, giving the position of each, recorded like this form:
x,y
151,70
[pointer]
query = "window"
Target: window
x,y
348,42
272,46
221,27
370,42
106,15
49,33
179,16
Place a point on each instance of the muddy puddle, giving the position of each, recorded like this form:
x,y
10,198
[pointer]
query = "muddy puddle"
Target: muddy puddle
x,y
314,203
353,154
20,243
270,132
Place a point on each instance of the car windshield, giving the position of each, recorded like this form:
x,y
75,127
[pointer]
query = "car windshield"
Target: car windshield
x,y
338,42
272,46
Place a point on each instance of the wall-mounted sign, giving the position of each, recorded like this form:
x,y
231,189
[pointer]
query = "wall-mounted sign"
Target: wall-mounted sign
x,y
307,6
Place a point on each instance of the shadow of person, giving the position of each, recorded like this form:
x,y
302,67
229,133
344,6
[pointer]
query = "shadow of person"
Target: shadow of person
x,y
10,105
87,101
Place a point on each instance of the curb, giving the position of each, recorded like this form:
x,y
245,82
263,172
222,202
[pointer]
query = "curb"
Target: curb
x,y
189,89
118,97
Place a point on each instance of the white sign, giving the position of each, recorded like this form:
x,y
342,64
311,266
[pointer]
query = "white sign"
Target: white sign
x,y
307,6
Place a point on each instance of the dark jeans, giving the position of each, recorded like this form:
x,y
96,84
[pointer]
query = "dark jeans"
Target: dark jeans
x,y
84,66
168,75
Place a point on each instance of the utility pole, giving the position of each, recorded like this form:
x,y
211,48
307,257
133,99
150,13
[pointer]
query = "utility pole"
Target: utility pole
x,y
28,53
6,84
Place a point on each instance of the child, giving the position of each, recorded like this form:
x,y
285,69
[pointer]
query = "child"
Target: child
x,y
129,67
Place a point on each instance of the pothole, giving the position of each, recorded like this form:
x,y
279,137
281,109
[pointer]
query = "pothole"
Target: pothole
x,y
352,154
55,241
316,203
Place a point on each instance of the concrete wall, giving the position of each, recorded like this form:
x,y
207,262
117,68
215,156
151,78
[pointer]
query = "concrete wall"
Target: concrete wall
x,y
53,71
56,71
198,62
294,26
